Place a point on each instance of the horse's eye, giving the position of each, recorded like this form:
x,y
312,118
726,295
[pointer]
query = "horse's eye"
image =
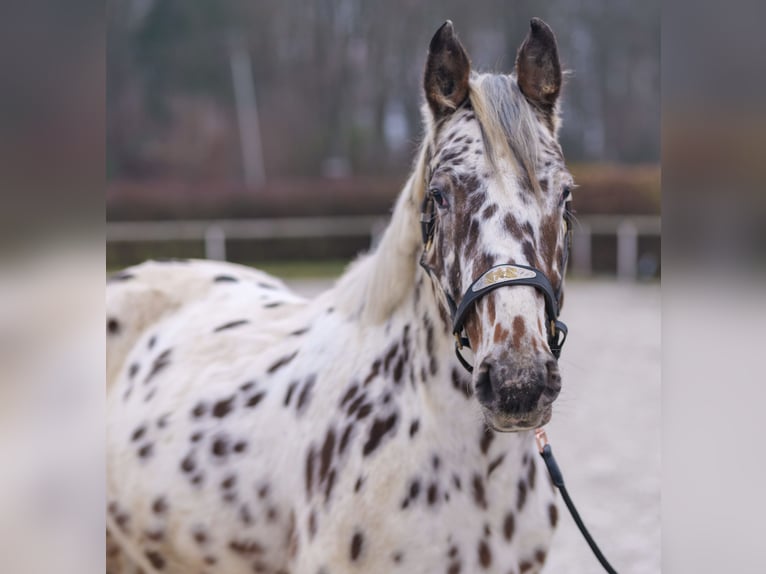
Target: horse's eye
x,y
438,196
566,194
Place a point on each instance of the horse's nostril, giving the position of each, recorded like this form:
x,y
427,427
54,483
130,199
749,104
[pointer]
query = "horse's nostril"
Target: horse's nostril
x,y
484,391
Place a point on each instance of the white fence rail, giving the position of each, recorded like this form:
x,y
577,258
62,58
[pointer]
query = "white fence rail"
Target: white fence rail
x,y
215,233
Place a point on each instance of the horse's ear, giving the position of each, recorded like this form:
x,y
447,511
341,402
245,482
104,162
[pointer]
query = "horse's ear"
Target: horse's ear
x,y
447,72
538,69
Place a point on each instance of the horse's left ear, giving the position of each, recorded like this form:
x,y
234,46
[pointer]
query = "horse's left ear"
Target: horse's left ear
x,y
538,70
447,72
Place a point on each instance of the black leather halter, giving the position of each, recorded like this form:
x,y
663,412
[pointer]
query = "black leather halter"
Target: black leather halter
x,y
504,275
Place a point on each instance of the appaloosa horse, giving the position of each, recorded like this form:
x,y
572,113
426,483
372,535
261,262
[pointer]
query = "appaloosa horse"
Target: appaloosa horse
x,y
250,430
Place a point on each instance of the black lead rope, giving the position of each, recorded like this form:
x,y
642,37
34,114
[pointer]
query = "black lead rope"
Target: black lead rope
x,y
558,479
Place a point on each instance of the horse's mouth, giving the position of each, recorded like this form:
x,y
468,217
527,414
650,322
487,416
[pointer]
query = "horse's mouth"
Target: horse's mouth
x,y
517,422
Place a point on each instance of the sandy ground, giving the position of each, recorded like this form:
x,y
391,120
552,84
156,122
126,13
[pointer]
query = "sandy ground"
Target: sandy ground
x,y
605,430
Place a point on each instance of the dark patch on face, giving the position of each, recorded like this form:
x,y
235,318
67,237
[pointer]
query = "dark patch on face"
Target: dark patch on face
x,y
273,305
364,411
479,495
225,279
162,422
112,326
540,555
398,370
436,462
133,370
357,541
512,224
228,482
299,332
152,341
266,285
485,554
223,407
530,254
543,184
155,559
281,362
489,211
245,515
397,557
253,401
519,331
531,475
414,426
162,361
390,356
454,568
494,464
553,514
456,482
358,485
240,446
487,436
230,325
200,536
525,566
521,495
414,490
146,451
154,535
379,429
329,485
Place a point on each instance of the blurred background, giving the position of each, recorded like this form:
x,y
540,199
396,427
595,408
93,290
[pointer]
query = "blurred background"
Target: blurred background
x,y
226,120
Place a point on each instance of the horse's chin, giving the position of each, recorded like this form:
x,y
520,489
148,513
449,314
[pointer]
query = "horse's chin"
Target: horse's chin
x,y
518,423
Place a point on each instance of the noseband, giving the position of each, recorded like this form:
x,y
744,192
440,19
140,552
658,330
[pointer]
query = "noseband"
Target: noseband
x,y
504,275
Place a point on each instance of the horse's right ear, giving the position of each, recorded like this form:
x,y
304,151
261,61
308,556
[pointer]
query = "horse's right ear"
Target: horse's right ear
x,y
447,72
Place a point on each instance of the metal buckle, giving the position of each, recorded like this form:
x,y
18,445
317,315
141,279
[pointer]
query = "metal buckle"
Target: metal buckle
x,y
541,438
458,342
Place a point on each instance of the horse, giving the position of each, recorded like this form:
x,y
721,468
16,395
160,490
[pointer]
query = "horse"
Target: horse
x,y
252,430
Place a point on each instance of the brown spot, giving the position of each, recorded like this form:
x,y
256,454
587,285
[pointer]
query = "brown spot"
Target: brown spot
x,y
358,485
414,489
281,363
525,566
531,475
228,482
512,224
519,330
154,535
494,464
162,361
200,536
414,428
553,514
356,545
312,524
489,211
344,439
255,399
485,555
397,557
349,395
159,506
509,526
245,546
454,568
155,558
326,454
220,447
112,326
500,334
364,411
486,440
309,470
522,495
133,370
479,496
271,514
456,482
305,396
290,391
245,515
379,429
330,484
223,407
138,433
230,325
433,493
491,311
240,446
187,464
146,450
540,555
373,372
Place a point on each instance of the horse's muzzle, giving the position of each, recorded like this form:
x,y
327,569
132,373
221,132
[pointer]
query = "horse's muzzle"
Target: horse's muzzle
x,y
517,396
